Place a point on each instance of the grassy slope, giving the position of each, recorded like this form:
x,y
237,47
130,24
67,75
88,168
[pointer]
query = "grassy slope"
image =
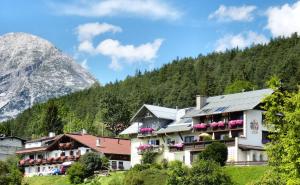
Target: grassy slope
x,y
240,175
243,175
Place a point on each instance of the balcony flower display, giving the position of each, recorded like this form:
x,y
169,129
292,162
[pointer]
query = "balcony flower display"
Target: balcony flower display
x,y
221,124
38,161
234,123
22,162
200,126
178,145
146,130
144,147
214,125
239,122
31,161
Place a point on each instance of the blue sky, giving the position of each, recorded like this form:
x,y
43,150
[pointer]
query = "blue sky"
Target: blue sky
x,y
114,38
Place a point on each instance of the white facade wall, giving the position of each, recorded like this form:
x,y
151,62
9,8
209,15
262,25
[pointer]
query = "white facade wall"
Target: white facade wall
x,y
252,136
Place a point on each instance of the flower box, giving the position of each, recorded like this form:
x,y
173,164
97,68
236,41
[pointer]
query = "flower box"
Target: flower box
x,y
221,124
146,130
214,125
235,123
200,126
144,147
178,145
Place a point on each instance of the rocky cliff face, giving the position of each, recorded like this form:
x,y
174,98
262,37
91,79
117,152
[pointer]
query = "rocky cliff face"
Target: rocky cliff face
x,y
32,70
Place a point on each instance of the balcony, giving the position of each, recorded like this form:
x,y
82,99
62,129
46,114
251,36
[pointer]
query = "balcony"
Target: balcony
x,y
50,160
219,126
176,147
149,148
145,132
200,145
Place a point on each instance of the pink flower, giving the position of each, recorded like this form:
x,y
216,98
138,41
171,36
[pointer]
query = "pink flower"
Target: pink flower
x,y
214,124
221,124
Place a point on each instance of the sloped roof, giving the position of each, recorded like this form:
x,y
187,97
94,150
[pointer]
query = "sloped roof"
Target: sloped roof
x,y
132,129
159,112
182,125
107,145
231,102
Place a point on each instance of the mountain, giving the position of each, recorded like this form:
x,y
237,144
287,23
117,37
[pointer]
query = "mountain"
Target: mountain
x,y
174,84
32,71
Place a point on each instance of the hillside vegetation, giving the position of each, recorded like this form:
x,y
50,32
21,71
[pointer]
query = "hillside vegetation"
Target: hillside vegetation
x,y
106,110
239,175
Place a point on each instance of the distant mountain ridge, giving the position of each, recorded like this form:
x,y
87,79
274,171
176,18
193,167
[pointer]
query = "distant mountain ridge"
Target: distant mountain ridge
x,y
32,71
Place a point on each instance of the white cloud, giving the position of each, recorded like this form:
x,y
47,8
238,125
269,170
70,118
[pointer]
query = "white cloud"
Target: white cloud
x,y
233,13
153,9
128,53
84,64
113,48
241,40
284,20
89,30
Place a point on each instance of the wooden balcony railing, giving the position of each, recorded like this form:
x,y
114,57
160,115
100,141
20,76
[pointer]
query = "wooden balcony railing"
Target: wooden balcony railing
x,y
152,148
199,145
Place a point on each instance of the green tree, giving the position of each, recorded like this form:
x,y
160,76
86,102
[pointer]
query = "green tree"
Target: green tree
x,y
177,173
282,117
216,151
92,162
239,86
52,121
148,157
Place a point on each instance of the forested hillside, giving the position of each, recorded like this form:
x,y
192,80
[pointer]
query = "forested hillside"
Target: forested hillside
x,y
175,84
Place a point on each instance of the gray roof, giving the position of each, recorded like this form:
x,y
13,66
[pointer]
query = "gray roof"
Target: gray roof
x,y
231,103
132,129
159,112
184,124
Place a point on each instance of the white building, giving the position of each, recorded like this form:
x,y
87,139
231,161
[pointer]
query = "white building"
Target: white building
x,y
9,145
44,154
233,119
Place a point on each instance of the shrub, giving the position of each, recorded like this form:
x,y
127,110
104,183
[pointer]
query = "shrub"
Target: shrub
x,y
164,163
77,172
148,157
92,161
271,177
177,173
207,173
4,171
216,151
140,167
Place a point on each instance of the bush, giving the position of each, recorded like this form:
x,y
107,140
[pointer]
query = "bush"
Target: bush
x,y
271,177
148,157
115,181
92,161
177,173
140,167
207,173
77,172
216,151
164,163
10,174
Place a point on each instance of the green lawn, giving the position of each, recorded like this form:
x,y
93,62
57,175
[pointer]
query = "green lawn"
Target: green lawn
x,y
240,175
47,180
245,174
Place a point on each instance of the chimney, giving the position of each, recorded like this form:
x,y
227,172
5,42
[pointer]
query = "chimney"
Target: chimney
x,y
51,134
200,101
98,142
83,132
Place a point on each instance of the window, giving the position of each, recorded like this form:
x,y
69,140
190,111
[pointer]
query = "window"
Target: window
x,y
71,152
220,109
261,157
170,141
31,156
254,157
87,150
189,139
121,166
114,165
62,154
154,141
